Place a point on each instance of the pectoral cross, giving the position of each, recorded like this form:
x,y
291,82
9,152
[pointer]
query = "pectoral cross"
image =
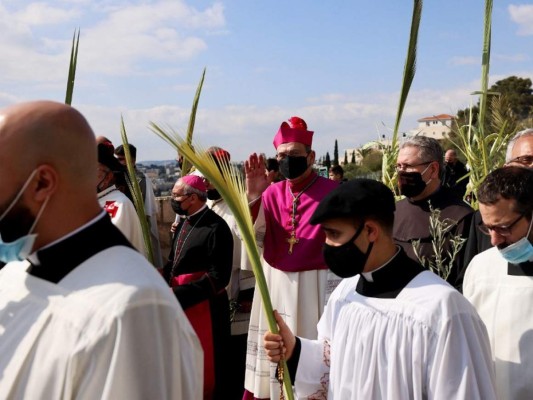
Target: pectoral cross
x,y
292,241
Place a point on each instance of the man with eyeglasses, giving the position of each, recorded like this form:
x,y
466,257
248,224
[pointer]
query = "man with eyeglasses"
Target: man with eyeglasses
x,y
295,270
519,154
499,281
419,166
198,271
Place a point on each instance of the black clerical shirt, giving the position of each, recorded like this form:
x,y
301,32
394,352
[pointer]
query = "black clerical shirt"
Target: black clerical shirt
x,y
57,261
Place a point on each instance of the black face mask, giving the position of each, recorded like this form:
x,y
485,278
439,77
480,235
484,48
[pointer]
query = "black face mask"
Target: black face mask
x,y
346,260
212,194
293,166
411,183
176,206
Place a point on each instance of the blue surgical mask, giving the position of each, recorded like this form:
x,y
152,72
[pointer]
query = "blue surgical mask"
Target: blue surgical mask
x,y
20,248
520,251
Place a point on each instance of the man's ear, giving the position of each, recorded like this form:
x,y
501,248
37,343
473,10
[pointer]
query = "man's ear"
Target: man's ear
x,y
372,229
434,170
312,155
46,182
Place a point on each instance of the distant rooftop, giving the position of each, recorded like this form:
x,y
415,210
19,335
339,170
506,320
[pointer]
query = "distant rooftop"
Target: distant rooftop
x,y
437,118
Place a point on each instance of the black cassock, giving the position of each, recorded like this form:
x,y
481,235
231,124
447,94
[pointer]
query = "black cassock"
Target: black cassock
x,y
411,222
198,270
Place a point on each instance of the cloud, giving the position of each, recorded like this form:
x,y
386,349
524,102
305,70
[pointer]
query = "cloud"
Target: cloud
x,y
128,38
523,16
43,14
464,60
511,57
243,129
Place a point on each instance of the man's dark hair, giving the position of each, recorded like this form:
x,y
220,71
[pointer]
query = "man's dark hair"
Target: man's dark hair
x,y
511,183
337,170
119,151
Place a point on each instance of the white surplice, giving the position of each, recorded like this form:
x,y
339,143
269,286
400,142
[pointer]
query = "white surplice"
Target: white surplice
x,y
123,215
110,329
427,343
505,304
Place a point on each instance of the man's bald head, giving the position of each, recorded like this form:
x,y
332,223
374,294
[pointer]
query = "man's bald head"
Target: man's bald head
x,y
55,141
45,132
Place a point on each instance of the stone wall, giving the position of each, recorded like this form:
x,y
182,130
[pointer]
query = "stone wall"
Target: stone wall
x,y
164,220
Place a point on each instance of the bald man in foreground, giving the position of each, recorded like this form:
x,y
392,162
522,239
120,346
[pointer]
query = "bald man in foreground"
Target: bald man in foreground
x,y
82,314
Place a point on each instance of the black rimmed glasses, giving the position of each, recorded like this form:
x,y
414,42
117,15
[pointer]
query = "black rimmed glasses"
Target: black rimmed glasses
x,y
502,230
175,196
409,167
523,160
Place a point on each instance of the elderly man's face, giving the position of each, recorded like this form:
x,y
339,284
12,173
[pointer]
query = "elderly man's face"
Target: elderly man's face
x,y
505,225
409,160
522,154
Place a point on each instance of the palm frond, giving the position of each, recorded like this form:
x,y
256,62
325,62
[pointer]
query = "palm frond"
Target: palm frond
x,y
192,119
390,153
72,67
232,188
136,192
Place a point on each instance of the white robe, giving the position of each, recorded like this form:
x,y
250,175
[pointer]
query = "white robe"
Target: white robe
x,y
300,309
151,211
110,329
505,304
123,215
427,343
240,279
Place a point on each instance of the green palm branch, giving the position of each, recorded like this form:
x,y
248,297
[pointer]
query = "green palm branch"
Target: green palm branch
x,y
135,190
231,186
186,166
484,150
390,153
72,67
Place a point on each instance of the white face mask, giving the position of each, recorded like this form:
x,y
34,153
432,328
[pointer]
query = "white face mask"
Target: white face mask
x,y
520,251
20,248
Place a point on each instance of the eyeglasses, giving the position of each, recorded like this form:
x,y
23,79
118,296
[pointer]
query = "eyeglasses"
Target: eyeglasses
x,y
175,196
502,230
409,167
281,156
524,160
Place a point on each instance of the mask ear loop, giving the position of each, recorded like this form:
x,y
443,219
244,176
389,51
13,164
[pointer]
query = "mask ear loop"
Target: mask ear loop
x,y
424,171
530,225
19,194
39,215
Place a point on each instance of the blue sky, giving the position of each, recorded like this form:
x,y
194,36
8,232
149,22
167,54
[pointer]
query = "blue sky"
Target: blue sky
x,y
337,64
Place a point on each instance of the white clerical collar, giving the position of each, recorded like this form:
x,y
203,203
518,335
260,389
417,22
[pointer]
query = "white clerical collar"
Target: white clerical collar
x,y
106,191
34,259
197,212
368,275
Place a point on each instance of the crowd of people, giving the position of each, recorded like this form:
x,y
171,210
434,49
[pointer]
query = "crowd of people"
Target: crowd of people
x,y
361,311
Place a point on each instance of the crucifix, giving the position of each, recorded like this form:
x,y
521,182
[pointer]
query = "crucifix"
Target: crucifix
x,y
292,241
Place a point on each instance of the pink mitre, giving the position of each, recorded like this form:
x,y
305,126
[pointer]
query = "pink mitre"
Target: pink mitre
x,y
195,182
293,131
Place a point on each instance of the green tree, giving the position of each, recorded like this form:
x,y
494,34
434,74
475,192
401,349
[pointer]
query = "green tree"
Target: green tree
x,y
345,157
336,153
373,161
352,161
515,101
327,161
518,93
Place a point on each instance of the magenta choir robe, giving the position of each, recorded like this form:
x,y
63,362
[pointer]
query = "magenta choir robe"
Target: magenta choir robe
x,y
277,205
